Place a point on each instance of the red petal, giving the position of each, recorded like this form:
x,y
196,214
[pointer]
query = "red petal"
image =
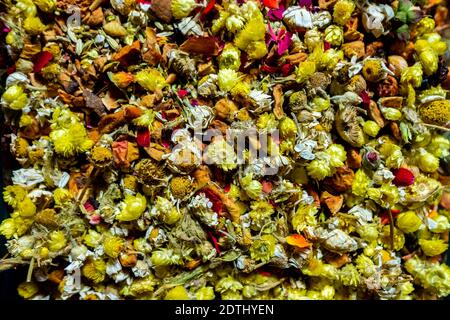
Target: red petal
x,y
365,98
209,7
11,69
286,69
403,177
41,60
89,206
143,138
385,216
182,93
269,69
326,46
215,242
272,4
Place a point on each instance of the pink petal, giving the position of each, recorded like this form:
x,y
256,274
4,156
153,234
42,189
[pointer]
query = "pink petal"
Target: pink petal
x,y
283,44
276,14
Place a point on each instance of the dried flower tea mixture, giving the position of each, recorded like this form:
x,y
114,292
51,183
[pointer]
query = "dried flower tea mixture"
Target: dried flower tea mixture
x,y
121,117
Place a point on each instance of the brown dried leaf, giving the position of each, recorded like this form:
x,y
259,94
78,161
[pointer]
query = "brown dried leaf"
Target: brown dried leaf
x,y
332,202
354,159
395,130
445,200
341,181
109,102
201,45
375,114
278,97
162,9
94,103
354,48
128,55
151,52
94,18
326,4
156,151
296,58
391,102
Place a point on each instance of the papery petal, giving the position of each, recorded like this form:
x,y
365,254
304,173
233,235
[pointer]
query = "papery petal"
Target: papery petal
x,y
276,14
297,240
41,60
143,138
284,43
365,98
273,4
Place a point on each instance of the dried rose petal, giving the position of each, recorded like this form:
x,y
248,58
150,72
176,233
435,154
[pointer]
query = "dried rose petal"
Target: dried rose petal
x,y
403,177
41,60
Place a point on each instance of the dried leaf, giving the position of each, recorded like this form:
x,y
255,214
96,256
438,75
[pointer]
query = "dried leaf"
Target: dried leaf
x,y
94,103
201,45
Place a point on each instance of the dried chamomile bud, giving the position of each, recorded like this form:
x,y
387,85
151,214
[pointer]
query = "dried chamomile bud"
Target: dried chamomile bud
x,y
439,146
132,207
427,162
433,247
182,8
334,35
436,112
408,222
263,249
8,228
57,240
320,167
371,128
230,58
94,270
425,25
15,98
113,245
288,128
205,293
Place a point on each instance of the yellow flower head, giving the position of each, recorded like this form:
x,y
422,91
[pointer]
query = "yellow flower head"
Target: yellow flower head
x,y
14,194
8,228
15,98
26,208
94,270
33,25
132,207
61,196
343,10
150,79
227,79
433,247
180,187
92,238
57,241
436,112
177,293
69,136
113,245
46,5
182,8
